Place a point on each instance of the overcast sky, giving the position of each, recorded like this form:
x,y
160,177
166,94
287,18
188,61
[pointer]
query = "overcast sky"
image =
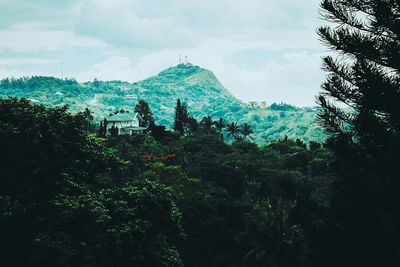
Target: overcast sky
x,y
259,49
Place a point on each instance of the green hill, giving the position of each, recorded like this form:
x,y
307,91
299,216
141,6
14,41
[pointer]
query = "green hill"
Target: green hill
x,y
198,87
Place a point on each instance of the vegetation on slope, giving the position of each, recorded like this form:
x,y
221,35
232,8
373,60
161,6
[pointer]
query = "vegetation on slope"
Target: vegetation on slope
x,y
197,87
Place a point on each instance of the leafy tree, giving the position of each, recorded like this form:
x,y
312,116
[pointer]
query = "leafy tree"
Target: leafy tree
x,y
192,124
66,204
314,145
53,152
143,109
365,136
134,224
158,132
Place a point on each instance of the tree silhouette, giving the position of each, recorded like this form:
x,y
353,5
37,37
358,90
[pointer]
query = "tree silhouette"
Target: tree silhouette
x,y
114,131
101,129
178,121
181,117
143,109
247,131
88,118
365,78
233,130
192,124
206,124
104,127
220,124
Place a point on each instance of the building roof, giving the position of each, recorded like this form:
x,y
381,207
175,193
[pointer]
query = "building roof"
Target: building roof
x,y
123,117
133,128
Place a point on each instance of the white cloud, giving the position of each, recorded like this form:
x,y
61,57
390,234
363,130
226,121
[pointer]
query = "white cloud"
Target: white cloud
x,y
289,77
7,62
32,40
113,68
118,23
260,49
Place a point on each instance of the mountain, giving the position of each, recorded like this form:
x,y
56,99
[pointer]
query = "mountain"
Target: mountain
x,y
196,86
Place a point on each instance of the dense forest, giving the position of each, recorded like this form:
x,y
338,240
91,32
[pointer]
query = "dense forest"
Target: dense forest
x,y
159,199
183,196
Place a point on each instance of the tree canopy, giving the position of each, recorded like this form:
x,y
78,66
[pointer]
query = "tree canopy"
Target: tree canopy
x,y
360,110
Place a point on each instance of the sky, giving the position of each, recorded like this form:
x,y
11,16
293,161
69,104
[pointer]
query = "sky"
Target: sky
x,y
263,50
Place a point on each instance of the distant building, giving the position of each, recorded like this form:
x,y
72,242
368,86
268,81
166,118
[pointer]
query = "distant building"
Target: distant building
x,y
253,104
124,124
256,104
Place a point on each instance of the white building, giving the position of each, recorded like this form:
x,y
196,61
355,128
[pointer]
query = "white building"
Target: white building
x,y
256,104
124,123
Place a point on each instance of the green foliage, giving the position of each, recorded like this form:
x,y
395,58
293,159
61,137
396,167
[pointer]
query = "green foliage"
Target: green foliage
x,y
143,109
188,197
364,229
181,116
282,107
157,199
65,201
199,88
242,205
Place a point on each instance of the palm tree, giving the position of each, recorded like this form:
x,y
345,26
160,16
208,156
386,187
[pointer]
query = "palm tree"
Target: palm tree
x,y
192,124
220,124
247,131
206,123
88,118
233,130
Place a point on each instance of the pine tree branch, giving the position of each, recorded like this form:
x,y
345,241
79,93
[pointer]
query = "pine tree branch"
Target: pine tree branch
x,y
359,46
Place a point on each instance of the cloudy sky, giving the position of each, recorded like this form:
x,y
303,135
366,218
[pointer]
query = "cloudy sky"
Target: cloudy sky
x,y
259,49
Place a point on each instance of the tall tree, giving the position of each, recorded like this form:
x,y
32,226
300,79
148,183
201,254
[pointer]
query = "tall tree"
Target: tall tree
x,y
220,124
247,131
206,124
87,118
104,127
192,124
181,116
233,130
101,129
143,109
364,78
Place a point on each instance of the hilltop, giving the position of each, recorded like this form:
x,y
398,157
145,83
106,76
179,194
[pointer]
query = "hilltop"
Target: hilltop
x,y
198,87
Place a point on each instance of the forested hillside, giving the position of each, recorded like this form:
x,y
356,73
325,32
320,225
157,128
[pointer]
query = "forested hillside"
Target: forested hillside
x,y
197,87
